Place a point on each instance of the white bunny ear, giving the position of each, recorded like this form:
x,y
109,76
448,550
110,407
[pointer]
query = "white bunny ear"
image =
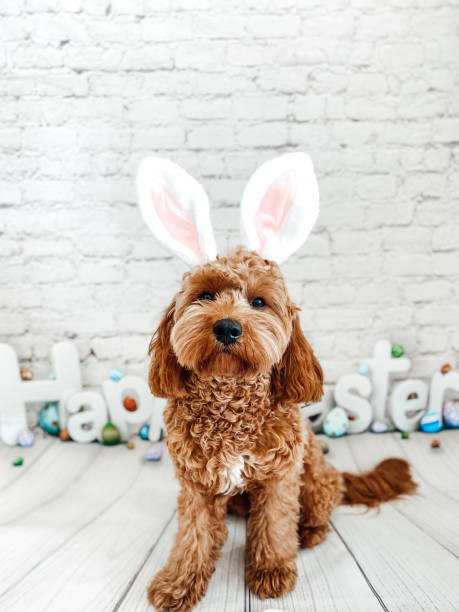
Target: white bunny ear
x,y
176,209
279,206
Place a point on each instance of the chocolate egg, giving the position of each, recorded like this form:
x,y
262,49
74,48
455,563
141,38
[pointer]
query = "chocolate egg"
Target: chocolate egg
x,y
130,404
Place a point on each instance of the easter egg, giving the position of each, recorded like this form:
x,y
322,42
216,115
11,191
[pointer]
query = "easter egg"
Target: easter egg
x,y
323,446
110,434
154,453
144,431
26,437
116,374
445,368
48,418
130,404
19,461
378,427
451,413
130,445
336,423
64,434
435,443
26,373
430,422
404,435
363,368
397,350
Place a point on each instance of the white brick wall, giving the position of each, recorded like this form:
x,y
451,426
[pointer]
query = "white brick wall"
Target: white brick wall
x,y
368,88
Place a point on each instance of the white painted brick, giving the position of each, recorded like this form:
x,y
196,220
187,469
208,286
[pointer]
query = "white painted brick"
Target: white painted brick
x,y
446,130
401,264
446,264
264,135
208,136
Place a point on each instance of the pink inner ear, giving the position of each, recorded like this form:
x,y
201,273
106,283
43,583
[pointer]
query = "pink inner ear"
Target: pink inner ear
x,y
274,207
175,219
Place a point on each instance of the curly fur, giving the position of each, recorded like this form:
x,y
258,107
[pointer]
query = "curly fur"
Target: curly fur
x,y
236,435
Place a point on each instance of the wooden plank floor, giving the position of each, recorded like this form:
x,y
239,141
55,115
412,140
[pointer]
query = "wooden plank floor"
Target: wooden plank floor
x,y
85,527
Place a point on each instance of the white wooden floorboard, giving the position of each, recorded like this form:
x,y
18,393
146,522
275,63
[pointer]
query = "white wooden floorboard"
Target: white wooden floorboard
x,y
408,568
85,528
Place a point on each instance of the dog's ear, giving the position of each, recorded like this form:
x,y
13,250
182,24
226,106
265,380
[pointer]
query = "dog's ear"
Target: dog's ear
x,y
298,376
166,377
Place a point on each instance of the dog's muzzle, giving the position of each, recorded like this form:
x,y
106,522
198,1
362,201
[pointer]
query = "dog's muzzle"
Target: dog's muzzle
x,y
227,331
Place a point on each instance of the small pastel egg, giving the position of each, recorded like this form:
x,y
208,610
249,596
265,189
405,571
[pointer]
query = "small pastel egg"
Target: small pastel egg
x,y
378,427
451,413
336,423
144,431
397,350
130,404
154,453
445,368
363,368
26,437
116,374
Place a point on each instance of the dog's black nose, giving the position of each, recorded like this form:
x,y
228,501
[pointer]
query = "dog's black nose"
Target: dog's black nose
x,y
227,331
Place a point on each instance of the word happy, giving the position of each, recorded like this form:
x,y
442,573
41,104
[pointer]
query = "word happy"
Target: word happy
x,y
76,406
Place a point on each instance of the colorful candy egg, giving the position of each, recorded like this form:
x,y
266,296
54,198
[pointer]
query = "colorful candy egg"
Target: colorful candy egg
x,y
430,422
130,404
336,423
48,418
18,461
397,350
451,413
26,437
116,374
144,431
154,453
445,368
378,427
64,434
110,434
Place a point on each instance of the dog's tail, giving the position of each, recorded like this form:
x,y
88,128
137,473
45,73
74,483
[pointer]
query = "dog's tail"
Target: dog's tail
x,y
389,480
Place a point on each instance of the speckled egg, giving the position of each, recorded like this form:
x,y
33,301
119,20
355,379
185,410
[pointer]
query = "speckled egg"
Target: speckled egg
x,y
378,427
397,350
26,437
110,434
154,453
430,422
144,431
48,418
336,423
451,413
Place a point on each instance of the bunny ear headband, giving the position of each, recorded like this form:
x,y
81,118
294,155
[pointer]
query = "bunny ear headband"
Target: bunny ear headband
x,y
279,207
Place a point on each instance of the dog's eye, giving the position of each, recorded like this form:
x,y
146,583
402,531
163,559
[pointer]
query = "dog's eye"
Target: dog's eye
x,y
206,296
257,302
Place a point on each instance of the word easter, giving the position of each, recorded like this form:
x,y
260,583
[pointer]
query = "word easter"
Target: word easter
x,y
76,406
408,401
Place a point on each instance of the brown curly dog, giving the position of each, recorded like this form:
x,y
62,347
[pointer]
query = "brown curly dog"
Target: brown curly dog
x,y
230,356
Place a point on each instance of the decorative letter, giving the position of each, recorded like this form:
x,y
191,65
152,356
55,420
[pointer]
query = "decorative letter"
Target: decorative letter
x,y
401,406
360,408
381,366
136,387
15,393
96,415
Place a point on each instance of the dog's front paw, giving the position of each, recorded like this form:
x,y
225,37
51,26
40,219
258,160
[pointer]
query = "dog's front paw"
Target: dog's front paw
x,y
312,536
273,582
175,594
